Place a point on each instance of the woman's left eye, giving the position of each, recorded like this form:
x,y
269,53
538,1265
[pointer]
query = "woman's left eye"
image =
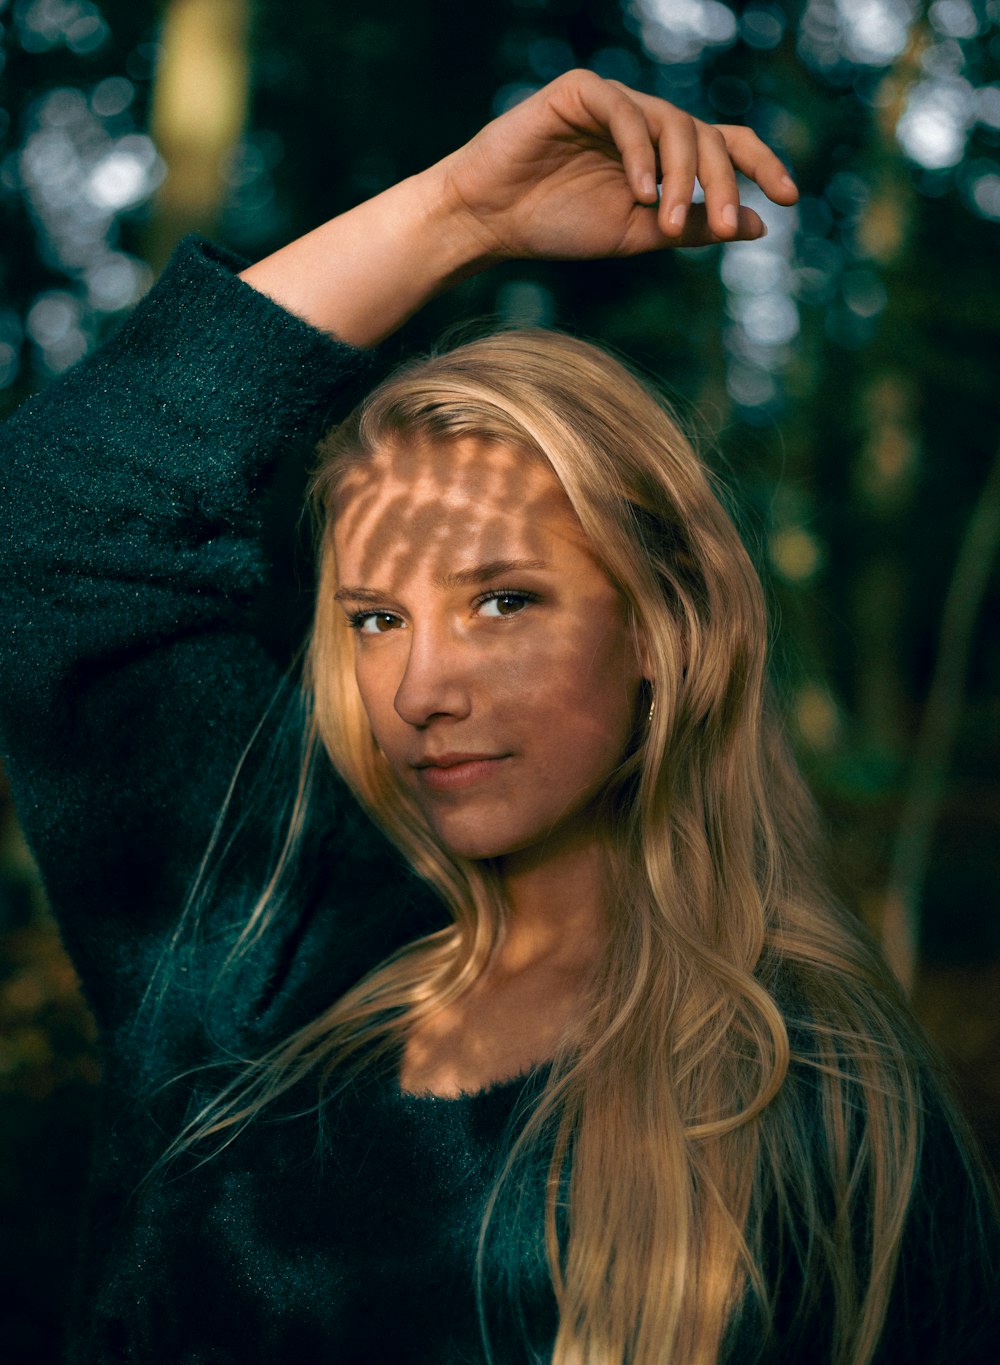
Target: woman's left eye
x,y
373,622
504,603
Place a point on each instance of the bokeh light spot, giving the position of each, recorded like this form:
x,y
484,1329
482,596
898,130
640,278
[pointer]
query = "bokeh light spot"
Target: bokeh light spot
x,y
750,386
795,553
112,96
988,106
52,316
44,24
862,32
816,716
126,175
680,30
116,282
770,319
954,18
933,126
762,26
984,191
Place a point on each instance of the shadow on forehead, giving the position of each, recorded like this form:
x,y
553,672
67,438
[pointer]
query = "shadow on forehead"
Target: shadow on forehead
x,y
445,505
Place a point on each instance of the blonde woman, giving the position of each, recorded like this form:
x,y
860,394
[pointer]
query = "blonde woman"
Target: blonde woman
x,y
594,1072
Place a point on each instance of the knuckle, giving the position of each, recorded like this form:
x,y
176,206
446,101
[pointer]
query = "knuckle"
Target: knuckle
x,y
578,75
739,132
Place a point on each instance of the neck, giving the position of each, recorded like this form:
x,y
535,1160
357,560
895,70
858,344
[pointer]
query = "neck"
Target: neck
x,y
557,895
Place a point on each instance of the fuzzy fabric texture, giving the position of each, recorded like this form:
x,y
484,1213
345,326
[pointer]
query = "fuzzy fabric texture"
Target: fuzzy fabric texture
x,y
141,536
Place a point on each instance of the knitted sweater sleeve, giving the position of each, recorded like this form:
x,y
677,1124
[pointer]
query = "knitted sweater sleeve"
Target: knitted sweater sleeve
x,y
133,561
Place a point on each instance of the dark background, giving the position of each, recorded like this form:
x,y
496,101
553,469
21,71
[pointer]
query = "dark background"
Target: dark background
x,y
843,376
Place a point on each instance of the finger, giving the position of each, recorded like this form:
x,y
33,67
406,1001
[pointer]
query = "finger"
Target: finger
x,y
678,167
611,105
758,163
718,179
747,152
632,138
698,230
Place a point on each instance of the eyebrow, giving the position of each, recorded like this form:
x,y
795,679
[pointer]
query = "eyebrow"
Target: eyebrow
x,y
484,573
459,578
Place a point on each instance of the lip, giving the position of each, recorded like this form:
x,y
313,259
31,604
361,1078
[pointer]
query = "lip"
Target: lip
x,y
450,772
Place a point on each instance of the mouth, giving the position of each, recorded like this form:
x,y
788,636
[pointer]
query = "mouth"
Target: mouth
x,y
450,772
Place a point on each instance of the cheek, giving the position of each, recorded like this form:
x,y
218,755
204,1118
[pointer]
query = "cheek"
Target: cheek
x,y
577,698
377,672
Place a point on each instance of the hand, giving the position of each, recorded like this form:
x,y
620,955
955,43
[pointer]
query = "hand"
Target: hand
x,y
571,173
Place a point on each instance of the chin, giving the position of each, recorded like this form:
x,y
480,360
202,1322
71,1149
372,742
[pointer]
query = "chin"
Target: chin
x,y
476,848
478,842
482,835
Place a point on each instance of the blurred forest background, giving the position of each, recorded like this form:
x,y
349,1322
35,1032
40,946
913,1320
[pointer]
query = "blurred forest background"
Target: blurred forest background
x,y
843,374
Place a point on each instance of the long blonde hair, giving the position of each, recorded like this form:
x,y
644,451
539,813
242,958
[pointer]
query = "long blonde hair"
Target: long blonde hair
x,y
745,1076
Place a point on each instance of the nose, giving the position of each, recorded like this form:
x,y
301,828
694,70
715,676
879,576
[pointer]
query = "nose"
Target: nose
x,y
435,682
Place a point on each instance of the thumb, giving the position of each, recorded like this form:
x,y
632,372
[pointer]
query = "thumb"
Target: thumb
x,y
749,228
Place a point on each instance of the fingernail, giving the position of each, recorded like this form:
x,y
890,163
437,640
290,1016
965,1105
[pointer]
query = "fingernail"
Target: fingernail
x,y
648,186
677,215
787,182
763,231
730,216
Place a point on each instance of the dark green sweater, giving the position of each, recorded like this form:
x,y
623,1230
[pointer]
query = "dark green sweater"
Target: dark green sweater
x,y
138,546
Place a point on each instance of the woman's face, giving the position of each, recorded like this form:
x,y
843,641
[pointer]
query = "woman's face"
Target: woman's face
x,y
493,655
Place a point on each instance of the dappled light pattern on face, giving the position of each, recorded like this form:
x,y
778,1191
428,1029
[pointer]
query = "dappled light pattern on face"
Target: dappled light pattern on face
x,y
486,630
389,509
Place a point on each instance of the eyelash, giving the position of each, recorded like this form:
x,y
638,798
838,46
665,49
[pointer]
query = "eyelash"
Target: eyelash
x,y
496,593
356,619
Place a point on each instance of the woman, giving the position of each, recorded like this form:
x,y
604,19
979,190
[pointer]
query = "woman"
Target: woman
x,y
643,1095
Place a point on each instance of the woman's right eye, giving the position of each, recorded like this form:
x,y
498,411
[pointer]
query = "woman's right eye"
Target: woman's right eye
x,y
373,622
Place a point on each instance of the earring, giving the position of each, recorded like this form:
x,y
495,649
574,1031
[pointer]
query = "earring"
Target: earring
x,y
652,705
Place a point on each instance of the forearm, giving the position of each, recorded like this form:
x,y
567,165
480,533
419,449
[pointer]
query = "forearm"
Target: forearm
x,y
363,273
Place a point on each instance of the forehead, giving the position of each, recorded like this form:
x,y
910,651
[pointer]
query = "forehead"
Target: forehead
x,y
442,505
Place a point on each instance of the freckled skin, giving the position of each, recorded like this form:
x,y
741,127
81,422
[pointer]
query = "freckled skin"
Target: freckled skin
x,y
549,680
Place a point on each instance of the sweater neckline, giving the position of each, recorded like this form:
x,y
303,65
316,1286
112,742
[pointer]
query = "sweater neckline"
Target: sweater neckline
x,y
498,1087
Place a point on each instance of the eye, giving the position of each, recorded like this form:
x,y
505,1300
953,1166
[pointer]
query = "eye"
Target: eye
x,y
373,622
504,602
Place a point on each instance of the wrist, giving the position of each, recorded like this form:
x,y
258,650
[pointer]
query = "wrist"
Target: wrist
x,y
362,274
454,245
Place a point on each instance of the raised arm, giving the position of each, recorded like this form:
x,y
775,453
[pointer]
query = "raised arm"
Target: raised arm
x,y
570,173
